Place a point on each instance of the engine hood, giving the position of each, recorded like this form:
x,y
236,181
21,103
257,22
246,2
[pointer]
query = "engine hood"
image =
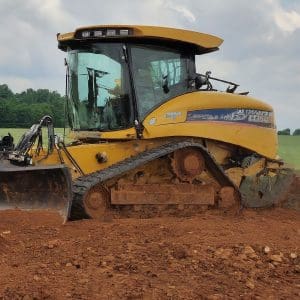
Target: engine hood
x,y
230,118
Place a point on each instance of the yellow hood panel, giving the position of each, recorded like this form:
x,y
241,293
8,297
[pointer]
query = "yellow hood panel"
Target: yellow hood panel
x,y
173,119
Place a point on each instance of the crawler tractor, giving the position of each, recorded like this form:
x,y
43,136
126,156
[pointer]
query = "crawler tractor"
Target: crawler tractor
x,y
150,135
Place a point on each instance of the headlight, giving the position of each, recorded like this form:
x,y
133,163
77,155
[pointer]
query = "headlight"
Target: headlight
x,y
111,32
103,32
86,34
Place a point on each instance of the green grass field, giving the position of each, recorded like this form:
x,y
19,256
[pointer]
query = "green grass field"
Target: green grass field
x,y
289,150
18,132
289,146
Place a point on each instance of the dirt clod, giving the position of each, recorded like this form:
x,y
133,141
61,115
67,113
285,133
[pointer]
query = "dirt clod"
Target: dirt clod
x,y
69,264
223,253
250,284
276,258
52,244
293,255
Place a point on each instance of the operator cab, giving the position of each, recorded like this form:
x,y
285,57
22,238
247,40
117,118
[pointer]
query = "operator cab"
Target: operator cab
x,y
117,76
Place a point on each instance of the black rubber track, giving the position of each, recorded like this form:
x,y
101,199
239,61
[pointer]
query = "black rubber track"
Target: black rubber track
x,y
82,184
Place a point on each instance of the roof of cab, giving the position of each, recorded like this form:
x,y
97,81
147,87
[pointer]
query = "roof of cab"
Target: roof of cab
x,y
202,40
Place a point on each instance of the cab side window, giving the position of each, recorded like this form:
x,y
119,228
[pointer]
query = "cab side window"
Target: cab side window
x,y
159,75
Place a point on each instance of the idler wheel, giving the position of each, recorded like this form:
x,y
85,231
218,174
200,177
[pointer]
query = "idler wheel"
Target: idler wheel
x,y
96,202
188,163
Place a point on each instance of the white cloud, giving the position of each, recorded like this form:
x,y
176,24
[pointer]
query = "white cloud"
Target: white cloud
x,y
184,11
288,21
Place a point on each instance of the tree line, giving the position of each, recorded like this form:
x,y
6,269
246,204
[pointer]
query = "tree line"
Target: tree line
x,y
21,110
287,131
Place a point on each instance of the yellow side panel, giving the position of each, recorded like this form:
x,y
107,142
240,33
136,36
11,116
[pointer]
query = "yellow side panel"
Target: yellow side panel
x,y
85,154
262,141
125,134
170,120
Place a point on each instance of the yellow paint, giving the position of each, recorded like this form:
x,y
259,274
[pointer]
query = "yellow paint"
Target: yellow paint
x,y
125,134
65,36
255,167
220,152
273,165
259,139
196,38
235,174
85,154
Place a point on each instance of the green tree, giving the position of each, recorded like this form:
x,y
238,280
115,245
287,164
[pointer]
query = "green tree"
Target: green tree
x,y
286,131
5,92
26,108
297,131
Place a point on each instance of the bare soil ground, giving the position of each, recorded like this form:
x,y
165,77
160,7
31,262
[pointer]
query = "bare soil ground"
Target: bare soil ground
x,y
213,255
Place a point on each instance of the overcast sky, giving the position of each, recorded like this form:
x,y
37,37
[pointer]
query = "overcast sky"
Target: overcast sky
x,y
261,49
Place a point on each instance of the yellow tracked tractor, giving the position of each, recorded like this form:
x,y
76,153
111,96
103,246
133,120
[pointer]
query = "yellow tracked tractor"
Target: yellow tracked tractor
x,y
150,135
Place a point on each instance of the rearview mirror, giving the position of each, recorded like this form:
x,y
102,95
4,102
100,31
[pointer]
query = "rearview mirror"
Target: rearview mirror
x,y
200,80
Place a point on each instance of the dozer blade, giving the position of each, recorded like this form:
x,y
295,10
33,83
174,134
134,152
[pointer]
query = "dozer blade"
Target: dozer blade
x,y
38,188
281,190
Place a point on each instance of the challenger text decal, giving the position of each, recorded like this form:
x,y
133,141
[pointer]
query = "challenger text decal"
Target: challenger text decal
x,y
248,116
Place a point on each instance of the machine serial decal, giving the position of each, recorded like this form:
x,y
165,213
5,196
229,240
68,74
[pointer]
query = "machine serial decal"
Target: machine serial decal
x,y
247,116
173,115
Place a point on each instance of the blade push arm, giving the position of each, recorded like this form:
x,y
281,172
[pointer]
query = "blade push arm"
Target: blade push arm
x,y
21,155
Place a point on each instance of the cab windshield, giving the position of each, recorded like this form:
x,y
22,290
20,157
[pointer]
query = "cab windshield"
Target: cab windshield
x,y
99,92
